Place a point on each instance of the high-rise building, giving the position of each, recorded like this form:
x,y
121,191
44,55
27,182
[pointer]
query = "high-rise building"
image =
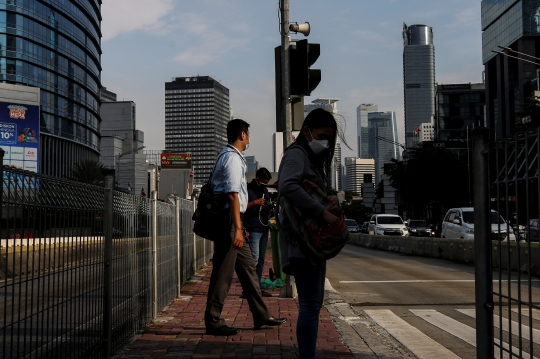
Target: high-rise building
x,y
427,132
277,148
56,46
459,106
122,145
330,105
356,169
106,95
514,24
196,115
382,125
418,79
362,127
252,164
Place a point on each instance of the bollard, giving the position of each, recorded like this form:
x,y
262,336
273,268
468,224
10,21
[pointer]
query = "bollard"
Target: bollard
x,y
178,216
107,270
154,257
482,243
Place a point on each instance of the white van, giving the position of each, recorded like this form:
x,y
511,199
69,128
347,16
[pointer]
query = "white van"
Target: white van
x,y
459,223
387,225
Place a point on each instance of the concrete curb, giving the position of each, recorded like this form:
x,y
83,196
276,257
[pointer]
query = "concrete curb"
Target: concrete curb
x,y
364,338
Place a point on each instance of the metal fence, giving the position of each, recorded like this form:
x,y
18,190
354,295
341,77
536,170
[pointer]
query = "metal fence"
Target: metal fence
x,y
83,268
506,180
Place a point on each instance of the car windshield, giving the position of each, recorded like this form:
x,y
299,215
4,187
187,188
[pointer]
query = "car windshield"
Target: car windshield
x,y
418,224
389,220
468,217
350,222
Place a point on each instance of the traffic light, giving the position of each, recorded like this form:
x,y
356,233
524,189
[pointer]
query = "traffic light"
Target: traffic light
x,y
303,78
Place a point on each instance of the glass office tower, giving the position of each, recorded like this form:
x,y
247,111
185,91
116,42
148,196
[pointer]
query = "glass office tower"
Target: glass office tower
x,y
418,79
362,131
509,81
382,124
56,46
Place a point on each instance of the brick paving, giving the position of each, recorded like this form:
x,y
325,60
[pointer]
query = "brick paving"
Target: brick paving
x,y
180,333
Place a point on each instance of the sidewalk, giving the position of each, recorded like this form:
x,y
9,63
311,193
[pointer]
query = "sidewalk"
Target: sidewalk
x,y
179,331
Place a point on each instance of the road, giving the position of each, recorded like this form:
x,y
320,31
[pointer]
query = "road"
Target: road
x,y
425,304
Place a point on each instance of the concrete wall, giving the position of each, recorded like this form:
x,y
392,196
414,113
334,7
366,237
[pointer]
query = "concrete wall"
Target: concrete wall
x,y
507,255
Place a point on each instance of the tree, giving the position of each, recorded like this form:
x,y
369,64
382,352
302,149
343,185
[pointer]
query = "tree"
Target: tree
x,y
431,178
89,171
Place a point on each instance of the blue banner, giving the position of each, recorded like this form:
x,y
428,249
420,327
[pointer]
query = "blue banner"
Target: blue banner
x,y
19,135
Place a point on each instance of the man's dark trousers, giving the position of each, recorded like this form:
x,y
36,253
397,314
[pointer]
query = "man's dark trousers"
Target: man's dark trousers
x,y
225,261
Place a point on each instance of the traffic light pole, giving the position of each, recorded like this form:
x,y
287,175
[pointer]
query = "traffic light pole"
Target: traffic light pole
x,y
285,71
289,289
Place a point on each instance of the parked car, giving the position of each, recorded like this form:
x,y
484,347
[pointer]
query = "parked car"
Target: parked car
x,y
531,232
459,223
419,228
387,224
365,228
352,225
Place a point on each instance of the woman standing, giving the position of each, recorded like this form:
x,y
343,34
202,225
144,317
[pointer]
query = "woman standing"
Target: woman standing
x,y
308,158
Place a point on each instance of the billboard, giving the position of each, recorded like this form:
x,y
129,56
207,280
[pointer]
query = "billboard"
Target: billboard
x,y
19,135
176,160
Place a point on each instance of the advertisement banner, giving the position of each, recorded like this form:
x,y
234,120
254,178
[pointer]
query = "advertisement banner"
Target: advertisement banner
x,y
176,160
19,135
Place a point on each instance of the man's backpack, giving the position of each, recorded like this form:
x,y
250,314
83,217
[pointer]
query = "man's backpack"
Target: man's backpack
x,y
211,219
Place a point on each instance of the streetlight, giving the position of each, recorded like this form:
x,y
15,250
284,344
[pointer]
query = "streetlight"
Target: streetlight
x,y
117,161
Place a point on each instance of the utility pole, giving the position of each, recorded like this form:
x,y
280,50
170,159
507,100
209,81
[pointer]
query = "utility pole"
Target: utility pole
x,y
285,71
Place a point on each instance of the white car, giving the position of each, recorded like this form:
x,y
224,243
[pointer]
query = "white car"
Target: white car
x,y
459,223
387,224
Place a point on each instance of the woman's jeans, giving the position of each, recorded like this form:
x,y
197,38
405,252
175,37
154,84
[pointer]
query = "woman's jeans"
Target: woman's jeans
x,y
258,242
310,286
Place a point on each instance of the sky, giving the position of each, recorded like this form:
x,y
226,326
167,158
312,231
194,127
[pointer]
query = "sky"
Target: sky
x,y
233,41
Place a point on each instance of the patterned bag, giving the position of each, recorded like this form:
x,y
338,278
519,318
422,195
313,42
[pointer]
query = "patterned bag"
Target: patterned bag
x,y
315,238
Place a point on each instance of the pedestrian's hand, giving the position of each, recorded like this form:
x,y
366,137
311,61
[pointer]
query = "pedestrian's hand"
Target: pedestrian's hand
x,y
334,200
330,218
238,240
260,202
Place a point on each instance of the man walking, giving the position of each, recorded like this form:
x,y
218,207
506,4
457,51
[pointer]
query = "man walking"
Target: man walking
x,y
233,253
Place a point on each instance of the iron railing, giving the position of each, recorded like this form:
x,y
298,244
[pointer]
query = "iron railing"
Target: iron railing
x,y
510,294
84,268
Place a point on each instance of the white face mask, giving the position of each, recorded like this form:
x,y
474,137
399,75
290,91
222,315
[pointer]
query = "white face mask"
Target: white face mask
x,y
318,146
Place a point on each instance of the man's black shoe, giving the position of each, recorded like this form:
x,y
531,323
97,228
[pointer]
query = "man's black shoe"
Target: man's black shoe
x,y
223,331
270,322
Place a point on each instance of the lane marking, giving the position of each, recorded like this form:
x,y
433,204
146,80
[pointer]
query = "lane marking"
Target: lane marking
x,y
420,281
525,312
417,342
514,325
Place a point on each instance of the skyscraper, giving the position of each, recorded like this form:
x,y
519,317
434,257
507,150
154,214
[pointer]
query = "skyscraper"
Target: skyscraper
x,y
56,47
196,115
362,127
356,169
418,79
509,81
330,105
382,124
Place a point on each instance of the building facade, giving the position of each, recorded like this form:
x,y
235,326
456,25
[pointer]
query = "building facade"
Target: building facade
x,y
356,169
196,115
56,47
427,132
122,145
509,81
459,107
418,79
382,125
107,96
330,105
252,164
362,127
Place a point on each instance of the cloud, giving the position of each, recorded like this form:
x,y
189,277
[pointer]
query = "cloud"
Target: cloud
x,y
211,43
124,16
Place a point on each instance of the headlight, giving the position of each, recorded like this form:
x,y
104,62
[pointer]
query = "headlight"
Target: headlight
x,y
471,231
413,230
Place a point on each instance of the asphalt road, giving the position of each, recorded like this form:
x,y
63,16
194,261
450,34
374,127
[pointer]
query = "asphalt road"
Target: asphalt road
x,y
402,294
